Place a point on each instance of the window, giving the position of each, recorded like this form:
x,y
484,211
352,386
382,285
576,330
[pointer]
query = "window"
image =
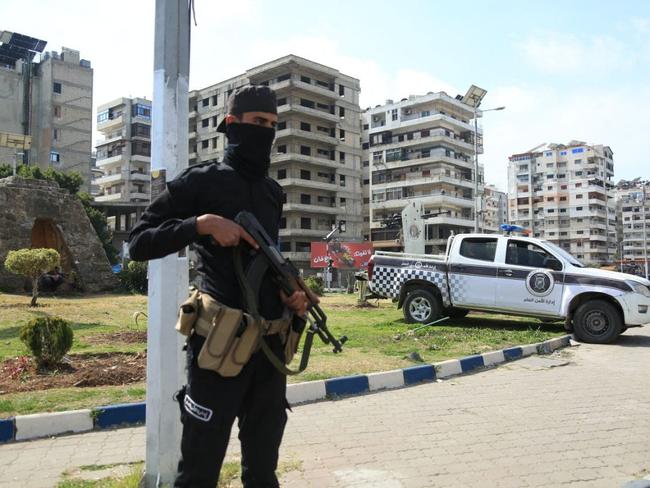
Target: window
x,y
282,174
282,149
341,112
341,90
305,150
283,223
282,101
578,196
305,79
305,199
393,114
522,253
57,111
140,130
284,77
140,148
341,156
57,88
205,144
281,125
215,100
55,134
305,222
205,102
307,103
285,246
342,180
342,135
478,248
578,185
305,126
303,247
140,110
55,157
205,123
305,174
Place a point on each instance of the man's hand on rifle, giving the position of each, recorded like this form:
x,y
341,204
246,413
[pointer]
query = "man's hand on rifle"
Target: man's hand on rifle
x,y
224,231
297,302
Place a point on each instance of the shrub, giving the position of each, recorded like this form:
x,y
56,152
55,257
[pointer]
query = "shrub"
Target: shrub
x,y
32,263
134,277
316,284
48,339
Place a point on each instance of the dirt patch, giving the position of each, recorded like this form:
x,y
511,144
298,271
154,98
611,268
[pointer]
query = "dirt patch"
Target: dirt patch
x,y
127,337
78,370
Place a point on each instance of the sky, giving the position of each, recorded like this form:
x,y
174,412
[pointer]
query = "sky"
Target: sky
x,y
563,70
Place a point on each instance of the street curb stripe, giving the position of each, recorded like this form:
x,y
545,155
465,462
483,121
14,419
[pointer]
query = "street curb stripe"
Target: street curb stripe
x,y
471,362
39,424
416,374
128,414
512,353
121,414
347,385
7,430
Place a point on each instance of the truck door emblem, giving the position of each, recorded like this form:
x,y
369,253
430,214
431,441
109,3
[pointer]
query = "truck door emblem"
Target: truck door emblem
x,y
540,282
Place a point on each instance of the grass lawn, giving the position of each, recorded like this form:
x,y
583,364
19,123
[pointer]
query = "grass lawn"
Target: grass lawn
x,y
378,340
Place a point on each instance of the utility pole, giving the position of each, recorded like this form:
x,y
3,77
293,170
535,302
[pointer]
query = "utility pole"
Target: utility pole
x,y
168,277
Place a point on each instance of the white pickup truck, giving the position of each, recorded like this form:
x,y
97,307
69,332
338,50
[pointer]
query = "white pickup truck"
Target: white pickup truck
x,y
515,276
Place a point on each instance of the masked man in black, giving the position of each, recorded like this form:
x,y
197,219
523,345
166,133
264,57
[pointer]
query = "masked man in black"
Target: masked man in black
x,y
198,208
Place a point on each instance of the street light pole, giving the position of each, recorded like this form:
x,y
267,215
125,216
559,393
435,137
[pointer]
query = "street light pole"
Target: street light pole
x,y
645,242
476,195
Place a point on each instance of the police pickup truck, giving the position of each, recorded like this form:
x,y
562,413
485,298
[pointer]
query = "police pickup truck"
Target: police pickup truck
x,y
511,275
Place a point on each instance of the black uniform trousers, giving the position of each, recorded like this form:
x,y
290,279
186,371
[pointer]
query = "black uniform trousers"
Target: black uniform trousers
x,y
209,404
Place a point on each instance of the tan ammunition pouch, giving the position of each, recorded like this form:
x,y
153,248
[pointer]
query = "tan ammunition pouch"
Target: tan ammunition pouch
x,y
231,335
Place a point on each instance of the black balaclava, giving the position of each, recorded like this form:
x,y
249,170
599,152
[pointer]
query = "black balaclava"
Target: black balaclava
x,y
249,145
249,149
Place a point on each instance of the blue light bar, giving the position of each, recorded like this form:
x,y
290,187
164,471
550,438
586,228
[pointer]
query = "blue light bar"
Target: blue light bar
x,y
512,228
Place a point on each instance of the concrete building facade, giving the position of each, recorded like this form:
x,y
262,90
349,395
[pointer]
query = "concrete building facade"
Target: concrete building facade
x,y
124,152
50,100
316,157
422,147
633,214
494,210
564,193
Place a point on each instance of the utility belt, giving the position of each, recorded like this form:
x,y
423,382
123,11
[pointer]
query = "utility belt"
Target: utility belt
x,y
231,335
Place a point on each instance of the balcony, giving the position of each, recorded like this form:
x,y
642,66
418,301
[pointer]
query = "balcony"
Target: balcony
x,y
418,160
108,179
416,119
317,233
316,184
313,112
309,135
113,197
437,199
418,180
309,208
111,161
110,123
315,89
301,158
436,136
109,139
298,256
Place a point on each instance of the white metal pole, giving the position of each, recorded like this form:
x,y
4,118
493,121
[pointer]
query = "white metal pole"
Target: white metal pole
x,y
168,277
645,241
476,207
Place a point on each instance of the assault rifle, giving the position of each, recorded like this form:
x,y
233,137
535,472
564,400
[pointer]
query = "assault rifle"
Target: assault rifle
x,y
286,275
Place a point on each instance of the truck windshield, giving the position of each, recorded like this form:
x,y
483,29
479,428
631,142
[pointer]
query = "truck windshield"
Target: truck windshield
x,y
564,254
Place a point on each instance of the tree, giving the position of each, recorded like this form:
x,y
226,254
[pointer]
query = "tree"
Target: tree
x,y
32,263
100,224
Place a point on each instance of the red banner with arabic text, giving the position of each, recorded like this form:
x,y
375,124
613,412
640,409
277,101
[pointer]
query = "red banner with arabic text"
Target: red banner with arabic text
x,y
344,255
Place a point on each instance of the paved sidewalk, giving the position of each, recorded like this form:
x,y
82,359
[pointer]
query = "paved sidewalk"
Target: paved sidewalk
x,y
580,417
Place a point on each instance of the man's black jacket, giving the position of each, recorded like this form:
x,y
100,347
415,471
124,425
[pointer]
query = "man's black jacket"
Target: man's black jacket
x,y
169,224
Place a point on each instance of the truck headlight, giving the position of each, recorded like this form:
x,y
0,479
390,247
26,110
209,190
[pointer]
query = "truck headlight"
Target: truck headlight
x,y
639,288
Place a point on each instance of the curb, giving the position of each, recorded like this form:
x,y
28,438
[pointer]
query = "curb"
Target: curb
x,y
24,427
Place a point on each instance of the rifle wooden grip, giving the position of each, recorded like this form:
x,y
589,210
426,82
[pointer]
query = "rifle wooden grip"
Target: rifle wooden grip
x,y
313,298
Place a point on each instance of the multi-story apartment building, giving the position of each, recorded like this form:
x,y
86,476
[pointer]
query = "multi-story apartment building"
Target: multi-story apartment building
x,y
633,217
48,97
316,156
422,147
124,152
365,179
563,193
123,157
495,209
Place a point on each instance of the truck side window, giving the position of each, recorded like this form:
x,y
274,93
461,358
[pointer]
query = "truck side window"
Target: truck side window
x,y
478,248
523,253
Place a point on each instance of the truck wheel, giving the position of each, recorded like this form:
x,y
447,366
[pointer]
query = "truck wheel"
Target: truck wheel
x,y
597,322
455,313
421,307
